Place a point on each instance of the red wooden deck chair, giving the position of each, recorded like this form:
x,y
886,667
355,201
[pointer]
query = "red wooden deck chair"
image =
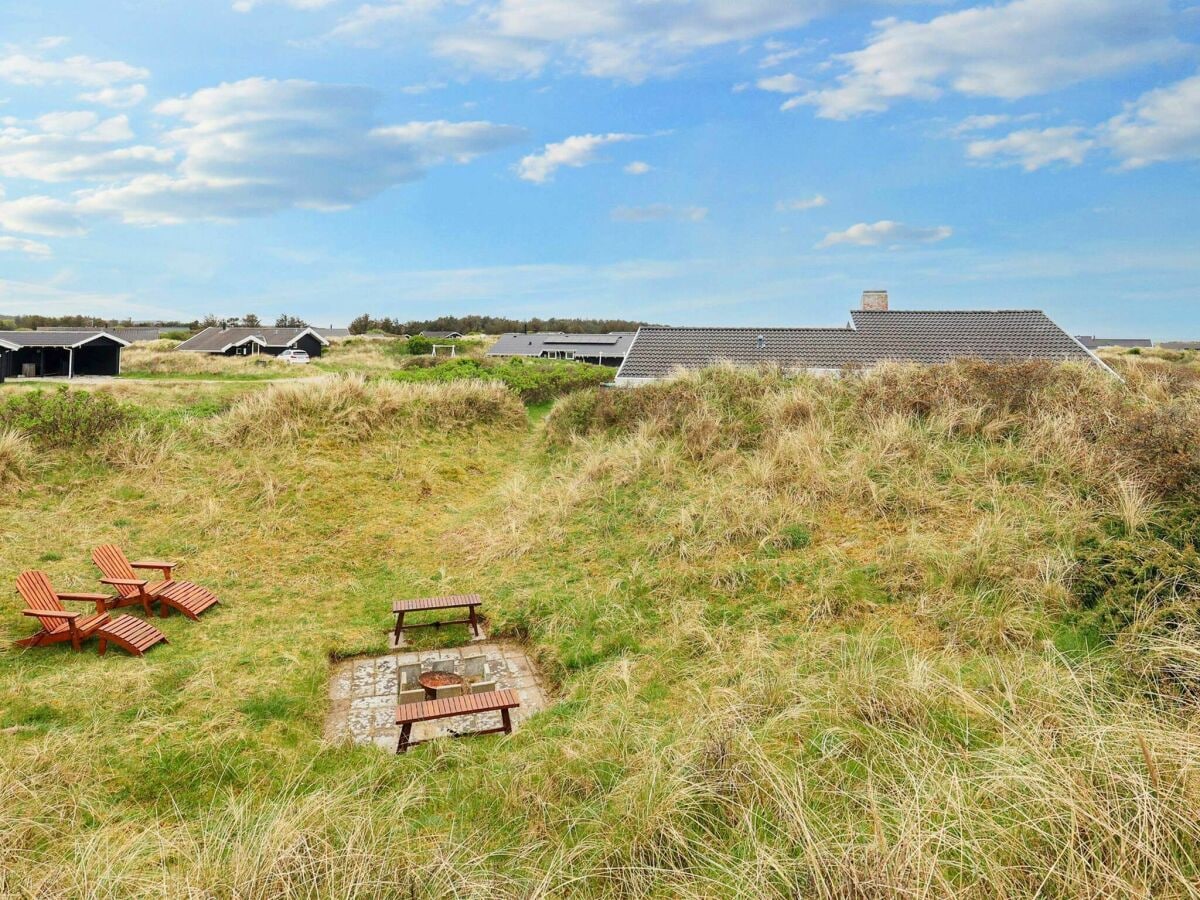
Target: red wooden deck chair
x,y
190,599
58,625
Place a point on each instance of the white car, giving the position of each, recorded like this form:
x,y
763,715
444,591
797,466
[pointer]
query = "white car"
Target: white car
x,y
294,356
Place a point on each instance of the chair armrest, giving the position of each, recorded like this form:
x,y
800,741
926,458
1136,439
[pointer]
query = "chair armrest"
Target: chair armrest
x,y
122,582
85,598
50,614
154,564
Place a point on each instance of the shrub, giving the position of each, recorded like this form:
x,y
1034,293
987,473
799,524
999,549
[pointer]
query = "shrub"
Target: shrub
x,y
353,408
181,335
796,537
17,456
418,345
536,381
66,418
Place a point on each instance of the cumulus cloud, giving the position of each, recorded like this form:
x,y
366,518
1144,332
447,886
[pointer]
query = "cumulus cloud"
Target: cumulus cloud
x,y
626,40
40,215
660,212
782,84
1011,50
116,97
25,68
21,245
1034,148
885,233
802,204
637,167
75,145
244,6
1162,125
575,152
369,23
257,146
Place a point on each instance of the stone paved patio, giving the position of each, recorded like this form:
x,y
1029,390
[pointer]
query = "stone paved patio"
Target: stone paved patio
x,y
363,692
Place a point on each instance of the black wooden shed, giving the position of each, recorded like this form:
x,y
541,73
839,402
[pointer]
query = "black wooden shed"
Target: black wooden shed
x,y
63,353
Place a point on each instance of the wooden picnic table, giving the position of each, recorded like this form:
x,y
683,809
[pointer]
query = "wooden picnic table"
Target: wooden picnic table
x,y
469,602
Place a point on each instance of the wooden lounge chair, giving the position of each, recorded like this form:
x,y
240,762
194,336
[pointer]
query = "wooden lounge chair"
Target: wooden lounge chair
x,y
189,599
58,625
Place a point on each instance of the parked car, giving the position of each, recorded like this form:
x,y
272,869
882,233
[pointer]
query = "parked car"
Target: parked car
x,y
294,356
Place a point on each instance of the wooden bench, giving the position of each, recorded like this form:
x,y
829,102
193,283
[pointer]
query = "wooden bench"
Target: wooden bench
x,y
409,714
469,602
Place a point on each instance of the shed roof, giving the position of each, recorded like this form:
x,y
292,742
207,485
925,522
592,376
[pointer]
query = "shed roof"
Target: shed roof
x,y
215,339
15,340
919,336
1092,342
441,335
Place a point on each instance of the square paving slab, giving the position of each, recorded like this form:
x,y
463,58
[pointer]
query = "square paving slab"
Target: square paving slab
x,y
363,692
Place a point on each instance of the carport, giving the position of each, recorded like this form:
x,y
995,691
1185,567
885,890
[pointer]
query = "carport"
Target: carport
x,y
65,354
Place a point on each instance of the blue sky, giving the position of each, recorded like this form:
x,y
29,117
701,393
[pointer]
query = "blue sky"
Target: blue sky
x,y
715,161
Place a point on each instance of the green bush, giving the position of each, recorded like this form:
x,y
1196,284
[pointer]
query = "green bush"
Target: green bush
x,y
1149,576
537,381
796,537
418,345
181,335
66,418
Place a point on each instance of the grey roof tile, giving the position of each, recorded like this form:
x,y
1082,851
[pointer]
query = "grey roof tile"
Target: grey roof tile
x,y
614,344
215,339
876,336
16,339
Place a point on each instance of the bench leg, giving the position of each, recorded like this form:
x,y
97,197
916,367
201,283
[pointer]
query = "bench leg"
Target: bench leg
x,y
474,622
103,645
507,721
405,731
399,625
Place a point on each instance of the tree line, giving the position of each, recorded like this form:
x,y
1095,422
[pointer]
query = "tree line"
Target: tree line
x,y
490,325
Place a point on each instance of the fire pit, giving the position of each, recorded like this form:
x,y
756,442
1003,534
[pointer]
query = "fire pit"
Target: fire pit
x,y
431,681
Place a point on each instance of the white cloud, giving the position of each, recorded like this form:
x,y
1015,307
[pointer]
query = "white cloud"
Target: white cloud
x,y
800,205
40,215
1160,126
257,146
1034,148
575,151
34,69
248,5
21,245
1011,50
891,234
496,55
637,167
626,40
75,145
116,97
660,212
782,84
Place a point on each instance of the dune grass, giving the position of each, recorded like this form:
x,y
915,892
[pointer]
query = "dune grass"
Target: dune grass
x,y
807,638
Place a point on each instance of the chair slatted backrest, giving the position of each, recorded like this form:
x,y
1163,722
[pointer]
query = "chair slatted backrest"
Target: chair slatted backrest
x,y
37,592
111,560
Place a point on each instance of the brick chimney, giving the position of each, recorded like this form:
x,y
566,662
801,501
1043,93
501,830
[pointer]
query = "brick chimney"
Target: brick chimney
x,y
876,301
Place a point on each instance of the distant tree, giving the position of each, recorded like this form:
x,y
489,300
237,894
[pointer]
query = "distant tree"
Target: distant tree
x,y
361,325
251,320
210,321
286,321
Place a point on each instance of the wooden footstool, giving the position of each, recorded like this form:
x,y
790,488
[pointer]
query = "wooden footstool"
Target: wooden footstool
x,y
131,634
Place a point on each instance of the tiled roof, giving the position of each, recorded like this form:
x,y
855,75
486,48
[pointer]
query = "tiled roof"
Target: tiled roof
x,y
614,344
1092,342
215,339
1179,345
14,340
876,336
441,335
